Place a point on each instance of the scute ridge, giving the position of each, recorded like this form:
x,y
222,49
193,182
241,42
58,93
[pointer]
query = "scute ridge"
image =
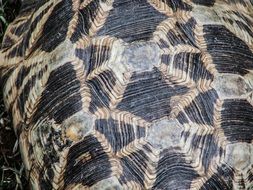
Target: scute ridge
x,y
132,94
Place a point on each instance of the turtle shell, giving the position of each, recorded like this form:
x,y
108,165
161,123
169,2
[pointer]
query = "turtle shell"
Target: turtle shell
x,y
132,94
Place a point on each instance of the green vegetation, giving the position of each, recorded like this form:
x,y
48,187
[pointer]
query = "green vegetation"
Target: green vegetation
x,y
8,11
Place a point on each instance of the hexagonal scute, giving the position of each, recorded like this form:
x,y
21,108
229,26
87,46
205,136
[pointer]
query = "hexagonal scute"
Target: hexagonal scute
x,y
132,94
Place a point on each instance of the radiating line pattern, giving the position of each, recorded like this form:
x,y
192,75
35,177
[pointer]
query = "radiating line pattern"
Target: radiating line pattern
x,y
132,94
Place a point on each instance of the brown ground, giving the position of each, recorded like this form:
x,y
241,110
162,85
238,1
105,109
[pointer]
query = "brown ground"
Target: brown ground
x,y
11,167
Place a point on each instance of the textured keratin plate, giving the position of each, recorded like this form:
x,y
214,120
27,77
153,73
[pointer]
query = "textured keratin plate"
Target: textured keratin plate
x,y
132,94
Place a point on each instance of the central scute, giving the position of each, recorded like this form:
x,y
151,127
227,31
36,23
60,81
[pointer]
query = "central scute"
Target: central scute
x,y
141,56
